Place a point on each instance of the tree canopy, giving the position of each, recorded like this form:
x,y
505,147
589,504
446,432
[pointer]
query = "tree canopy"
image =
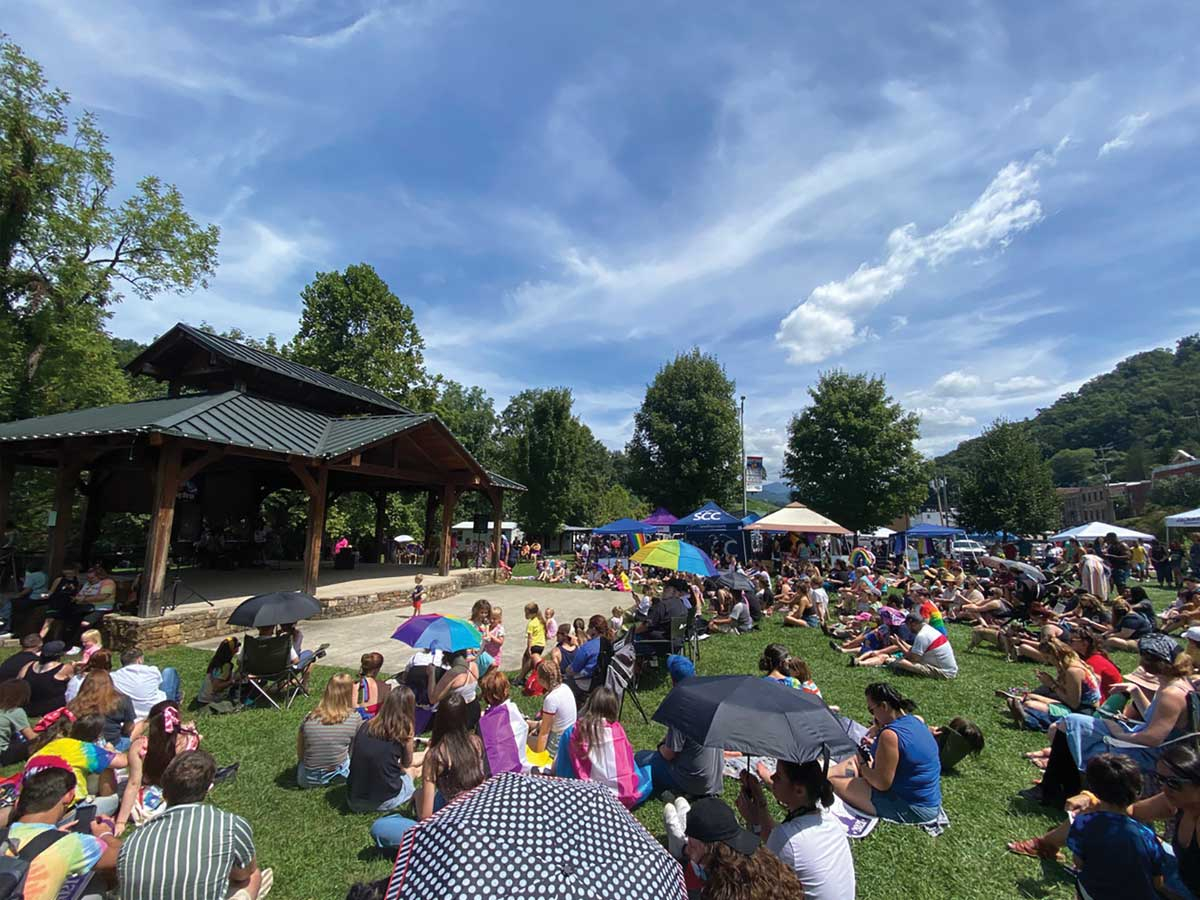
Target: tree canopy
x,y
852,456
686,438
1008,484
68,250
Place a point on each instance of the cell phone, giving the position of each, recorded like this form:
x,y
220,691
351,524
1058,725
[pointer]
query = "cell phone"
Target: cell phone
x,y
84,815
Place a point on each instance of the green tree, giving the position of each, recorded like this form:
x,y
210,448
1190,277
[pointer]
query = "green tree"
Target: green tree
x,y
549,458
1008,486
851,455
1071,468
354,327
471,415
618,503
686,440
68,250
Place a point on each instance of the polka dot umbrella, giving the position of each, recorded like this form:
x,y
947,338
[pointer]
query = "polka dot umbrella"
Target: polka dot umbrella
x,y
529,837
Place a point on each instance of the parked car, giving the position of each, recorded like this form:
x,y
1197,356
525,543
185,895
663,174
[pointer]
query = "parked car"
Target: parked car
x,y
968,550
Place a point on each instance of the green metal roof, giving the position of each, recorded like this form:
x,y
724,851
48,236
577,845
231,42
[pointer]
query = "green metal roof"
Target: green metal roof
x,y
235,419
240,353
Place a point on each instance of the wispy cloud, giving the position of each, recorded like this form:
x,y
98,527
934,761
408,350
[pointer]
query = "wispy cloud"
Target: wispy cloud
x,y
1123,140
957,383
829,320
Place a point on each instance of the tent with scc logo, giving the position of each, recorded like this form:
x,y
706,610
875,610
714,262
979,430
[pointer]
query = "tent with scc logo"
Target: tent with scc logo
x,y
709,517
799,518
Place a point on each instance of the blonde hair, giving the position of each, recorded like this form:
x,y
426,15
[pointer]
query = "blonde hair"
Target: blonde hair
x,y
337,702
92,636
497,613
532,612
549,674
419,578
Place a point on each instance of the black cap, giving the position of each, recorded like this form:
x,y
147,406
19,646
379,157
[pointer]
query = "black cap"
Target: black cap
x,y
678,583
711,821
53,649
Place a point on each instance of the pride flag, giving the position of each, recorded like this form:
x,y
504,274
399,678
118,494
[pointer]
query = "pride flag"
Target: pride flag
x,y
505,733
638,541
934,615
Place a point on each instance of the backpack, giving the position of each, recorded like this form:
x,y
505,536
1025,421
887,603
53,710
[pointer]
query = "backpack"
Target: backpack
x,y
14,868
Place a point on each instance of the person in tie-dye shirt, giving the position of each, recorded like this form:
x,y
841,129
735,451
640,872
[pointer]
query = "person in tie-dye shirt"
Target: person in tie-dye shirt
x,y
86,757
47,792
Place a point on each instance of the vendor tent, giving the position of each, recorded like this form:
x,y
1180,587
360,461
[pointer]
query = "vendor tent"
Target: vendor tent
x,y
925,530
1189,519
750,518
709,517
661,516
1093,530
625,526
878,534
797,517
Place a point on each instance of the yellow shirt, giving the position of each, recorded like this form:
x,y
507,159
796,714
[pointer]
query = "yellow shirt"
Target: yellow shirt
x,y
1138,555
536,632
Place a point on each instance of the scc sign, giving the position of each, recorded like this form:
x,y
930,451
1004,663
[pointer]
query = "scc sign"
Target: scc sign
x,y
710,515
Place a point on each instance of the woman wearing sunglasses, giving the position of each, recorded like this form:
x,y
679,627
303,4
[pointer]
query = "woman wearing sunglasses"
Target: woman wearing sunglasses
x,y
1178,773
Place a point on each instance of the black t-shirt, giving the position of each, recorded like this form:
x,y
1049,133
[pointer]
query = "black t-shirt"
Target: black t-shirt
x,y
376,769
662,612
1137,625
12,666
115,721
754,601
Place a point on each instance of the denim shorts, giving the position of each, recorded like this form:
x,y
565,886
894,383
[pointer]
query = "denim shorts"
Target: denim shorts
x,y
890,807
306,777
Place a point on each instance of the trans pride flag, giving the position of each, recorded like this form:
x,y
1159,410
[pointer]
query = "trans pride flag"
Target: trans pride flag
x,y
505,732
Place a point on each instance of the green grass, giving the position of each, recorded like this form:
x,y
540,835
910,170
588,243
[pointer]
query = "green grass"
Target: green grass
x,y
318,849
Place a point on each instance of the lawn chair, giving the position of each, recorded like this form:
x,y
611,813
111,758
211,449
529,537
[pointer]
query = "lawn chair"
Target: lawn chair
x,y
618,675
267,667
678,638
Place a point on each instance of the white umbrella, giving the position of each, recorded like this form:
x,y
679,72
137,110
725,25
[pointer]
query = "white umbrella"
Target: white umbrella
x,y
404,539
1017,566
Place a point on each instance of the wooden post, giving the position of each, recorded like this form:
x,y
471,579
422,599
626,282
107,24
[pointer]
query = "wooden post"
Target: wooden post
x,y
449,497
64,499
316,529
91,522
430,510
158,541
8,468
380,526
497,516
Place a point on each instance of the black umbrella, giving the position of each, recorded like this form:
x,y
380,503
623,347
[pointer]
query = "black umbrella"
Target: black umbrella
x,y
736,581
277,608
506,839
757,716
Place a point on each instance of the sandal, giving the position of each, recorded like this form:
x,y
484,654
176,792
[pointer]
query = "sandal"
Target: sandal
x,y
1035,848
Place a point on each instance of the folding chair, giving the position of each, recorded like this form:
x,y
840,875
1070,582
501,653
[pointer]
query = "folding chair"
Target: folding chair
x,y
618,675
266,666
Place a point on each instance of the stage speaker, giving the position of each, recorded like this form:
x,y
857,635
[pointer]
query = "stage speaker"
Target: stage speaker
x,y
481,523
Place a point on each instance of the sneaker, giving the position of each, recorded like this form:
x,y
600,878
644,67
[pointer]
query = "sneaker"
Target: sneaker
x,y
74,651
226,773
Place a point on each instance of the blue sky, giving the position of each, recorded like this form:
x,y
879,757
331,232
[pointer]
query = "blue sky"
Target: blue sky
x,y
986,203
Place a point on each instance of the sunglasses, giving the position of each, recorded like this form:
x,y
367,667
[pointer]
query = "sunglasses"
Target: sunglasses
x,y
1172,782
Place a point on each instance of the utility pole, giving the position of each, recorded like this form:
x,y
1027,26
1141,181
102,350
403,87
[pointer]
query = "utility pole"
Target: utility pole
x,y
1103,450
742,421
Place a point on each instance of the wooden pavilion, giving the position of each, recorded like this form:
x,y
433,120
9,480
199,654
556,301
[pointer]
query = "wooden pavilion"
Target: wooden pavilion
x,y
238,423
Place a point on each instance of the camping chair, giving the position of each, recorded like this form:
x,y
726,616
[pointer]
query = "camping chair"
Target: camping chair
x,y
678,637
266,666
618,675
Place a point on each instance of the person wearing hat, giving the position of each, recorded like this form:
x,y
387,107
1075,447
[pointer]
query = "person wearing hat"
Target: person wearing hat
x,y
1149,723
729,861
680,765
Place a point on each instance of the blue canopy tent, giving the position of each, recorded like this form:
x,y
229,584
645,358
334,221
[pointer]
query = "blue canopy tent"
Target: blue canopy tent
x,y
926,531
709,522
751,519
625,526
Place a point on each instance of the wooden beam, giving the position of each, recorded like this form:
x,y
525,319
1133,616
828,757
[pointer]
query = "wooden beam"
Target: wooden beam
x,y
497,521
380,526
64,500
316,530
306,479
158,541
416,475
192,469
8,468
449,498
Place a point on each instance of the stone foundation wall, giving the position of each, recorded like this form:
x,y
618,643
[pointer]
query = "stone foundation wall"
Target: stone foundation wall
x,y
188,625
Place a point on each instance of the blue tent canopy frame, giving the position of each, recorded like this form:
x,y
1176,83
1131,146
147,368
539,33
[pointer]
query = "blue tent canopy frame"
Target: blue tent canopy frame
x,y
925,530
708,518
625,526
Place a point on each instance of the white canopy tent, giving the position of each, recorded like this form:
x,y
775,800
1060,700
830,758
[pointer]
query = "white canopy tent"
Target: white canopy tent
x,y
1093,530
1189,519
799,518
877,534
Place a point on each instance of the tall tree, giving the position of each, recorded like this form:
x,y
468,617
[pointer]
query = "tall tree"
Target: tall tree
x,y
471,415
1071,468
1008,486
354,327
68,251
550,459
852,456
686,440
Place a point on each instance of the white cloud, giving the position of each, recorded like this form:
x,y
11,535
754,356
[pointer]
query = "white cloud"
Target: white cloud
x,y
944,416
826,323
1021,383
1129,126
957,383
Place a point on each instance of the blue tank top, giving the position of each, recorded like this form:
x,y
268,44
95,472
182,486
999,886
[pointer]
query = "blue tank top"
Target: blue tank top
x,y
918,779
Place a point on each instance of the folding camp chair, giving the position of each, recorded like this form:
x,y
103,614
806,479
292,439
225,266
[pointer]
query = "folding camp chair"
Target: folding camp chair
x,y
618,675
678,638
266,666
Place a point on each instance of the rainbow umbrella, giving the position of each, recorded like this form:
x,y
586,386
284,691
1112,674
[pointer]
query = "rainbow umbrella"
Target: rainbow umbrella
x,y
679,556
861,556
438,632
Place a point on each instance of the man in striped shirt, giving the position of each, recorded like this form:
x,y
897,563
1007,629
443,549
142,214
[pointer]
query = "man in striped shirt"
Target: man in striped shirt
x,y
192,851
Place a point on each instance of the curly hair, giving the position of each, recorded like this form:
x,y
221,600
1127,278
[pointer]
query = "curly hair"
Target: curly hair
x,y
735,876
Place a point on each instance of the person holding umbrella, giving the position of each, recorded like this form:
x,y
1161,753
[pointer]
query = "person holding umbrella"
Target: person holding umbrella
x,y
729,861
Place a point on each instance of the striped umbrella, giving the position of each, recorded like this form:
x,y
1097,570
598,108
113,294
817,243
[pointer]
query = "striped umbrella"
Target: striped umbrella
x,y
680,556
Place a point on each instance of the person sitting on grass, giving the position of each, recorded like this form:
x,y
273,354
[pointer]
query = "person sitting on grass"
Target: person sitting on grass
x,y
192,849
502,727
98,696
810,841
370,691
898,777
382,756
87,756
732,617
15,730
1128,628
219,677
462,678
47,795
167,736
323,741
929,655
47,677
803,612
558,713
774,658
681,765
596,748
454,763
733,862
145,685
565,647
1073,688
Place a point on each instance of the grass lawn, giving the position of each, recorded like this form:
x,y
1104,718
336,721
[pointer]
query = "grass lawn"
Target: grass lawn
x,y
318,849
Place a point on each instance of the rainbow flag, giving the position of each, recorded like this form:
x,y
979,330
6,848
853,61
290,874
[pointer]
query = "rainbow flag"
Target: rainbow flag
x,y
934,615
638,541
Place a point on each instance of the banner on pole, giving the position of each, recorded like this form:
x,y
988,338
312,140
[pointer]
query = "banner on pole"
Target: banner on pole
x,y
756,474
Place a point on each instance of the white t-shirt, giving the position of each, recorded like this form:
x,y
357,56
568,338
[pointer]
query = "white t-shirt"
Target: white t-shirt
x,y
817,849
559,703
820,600
940,656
